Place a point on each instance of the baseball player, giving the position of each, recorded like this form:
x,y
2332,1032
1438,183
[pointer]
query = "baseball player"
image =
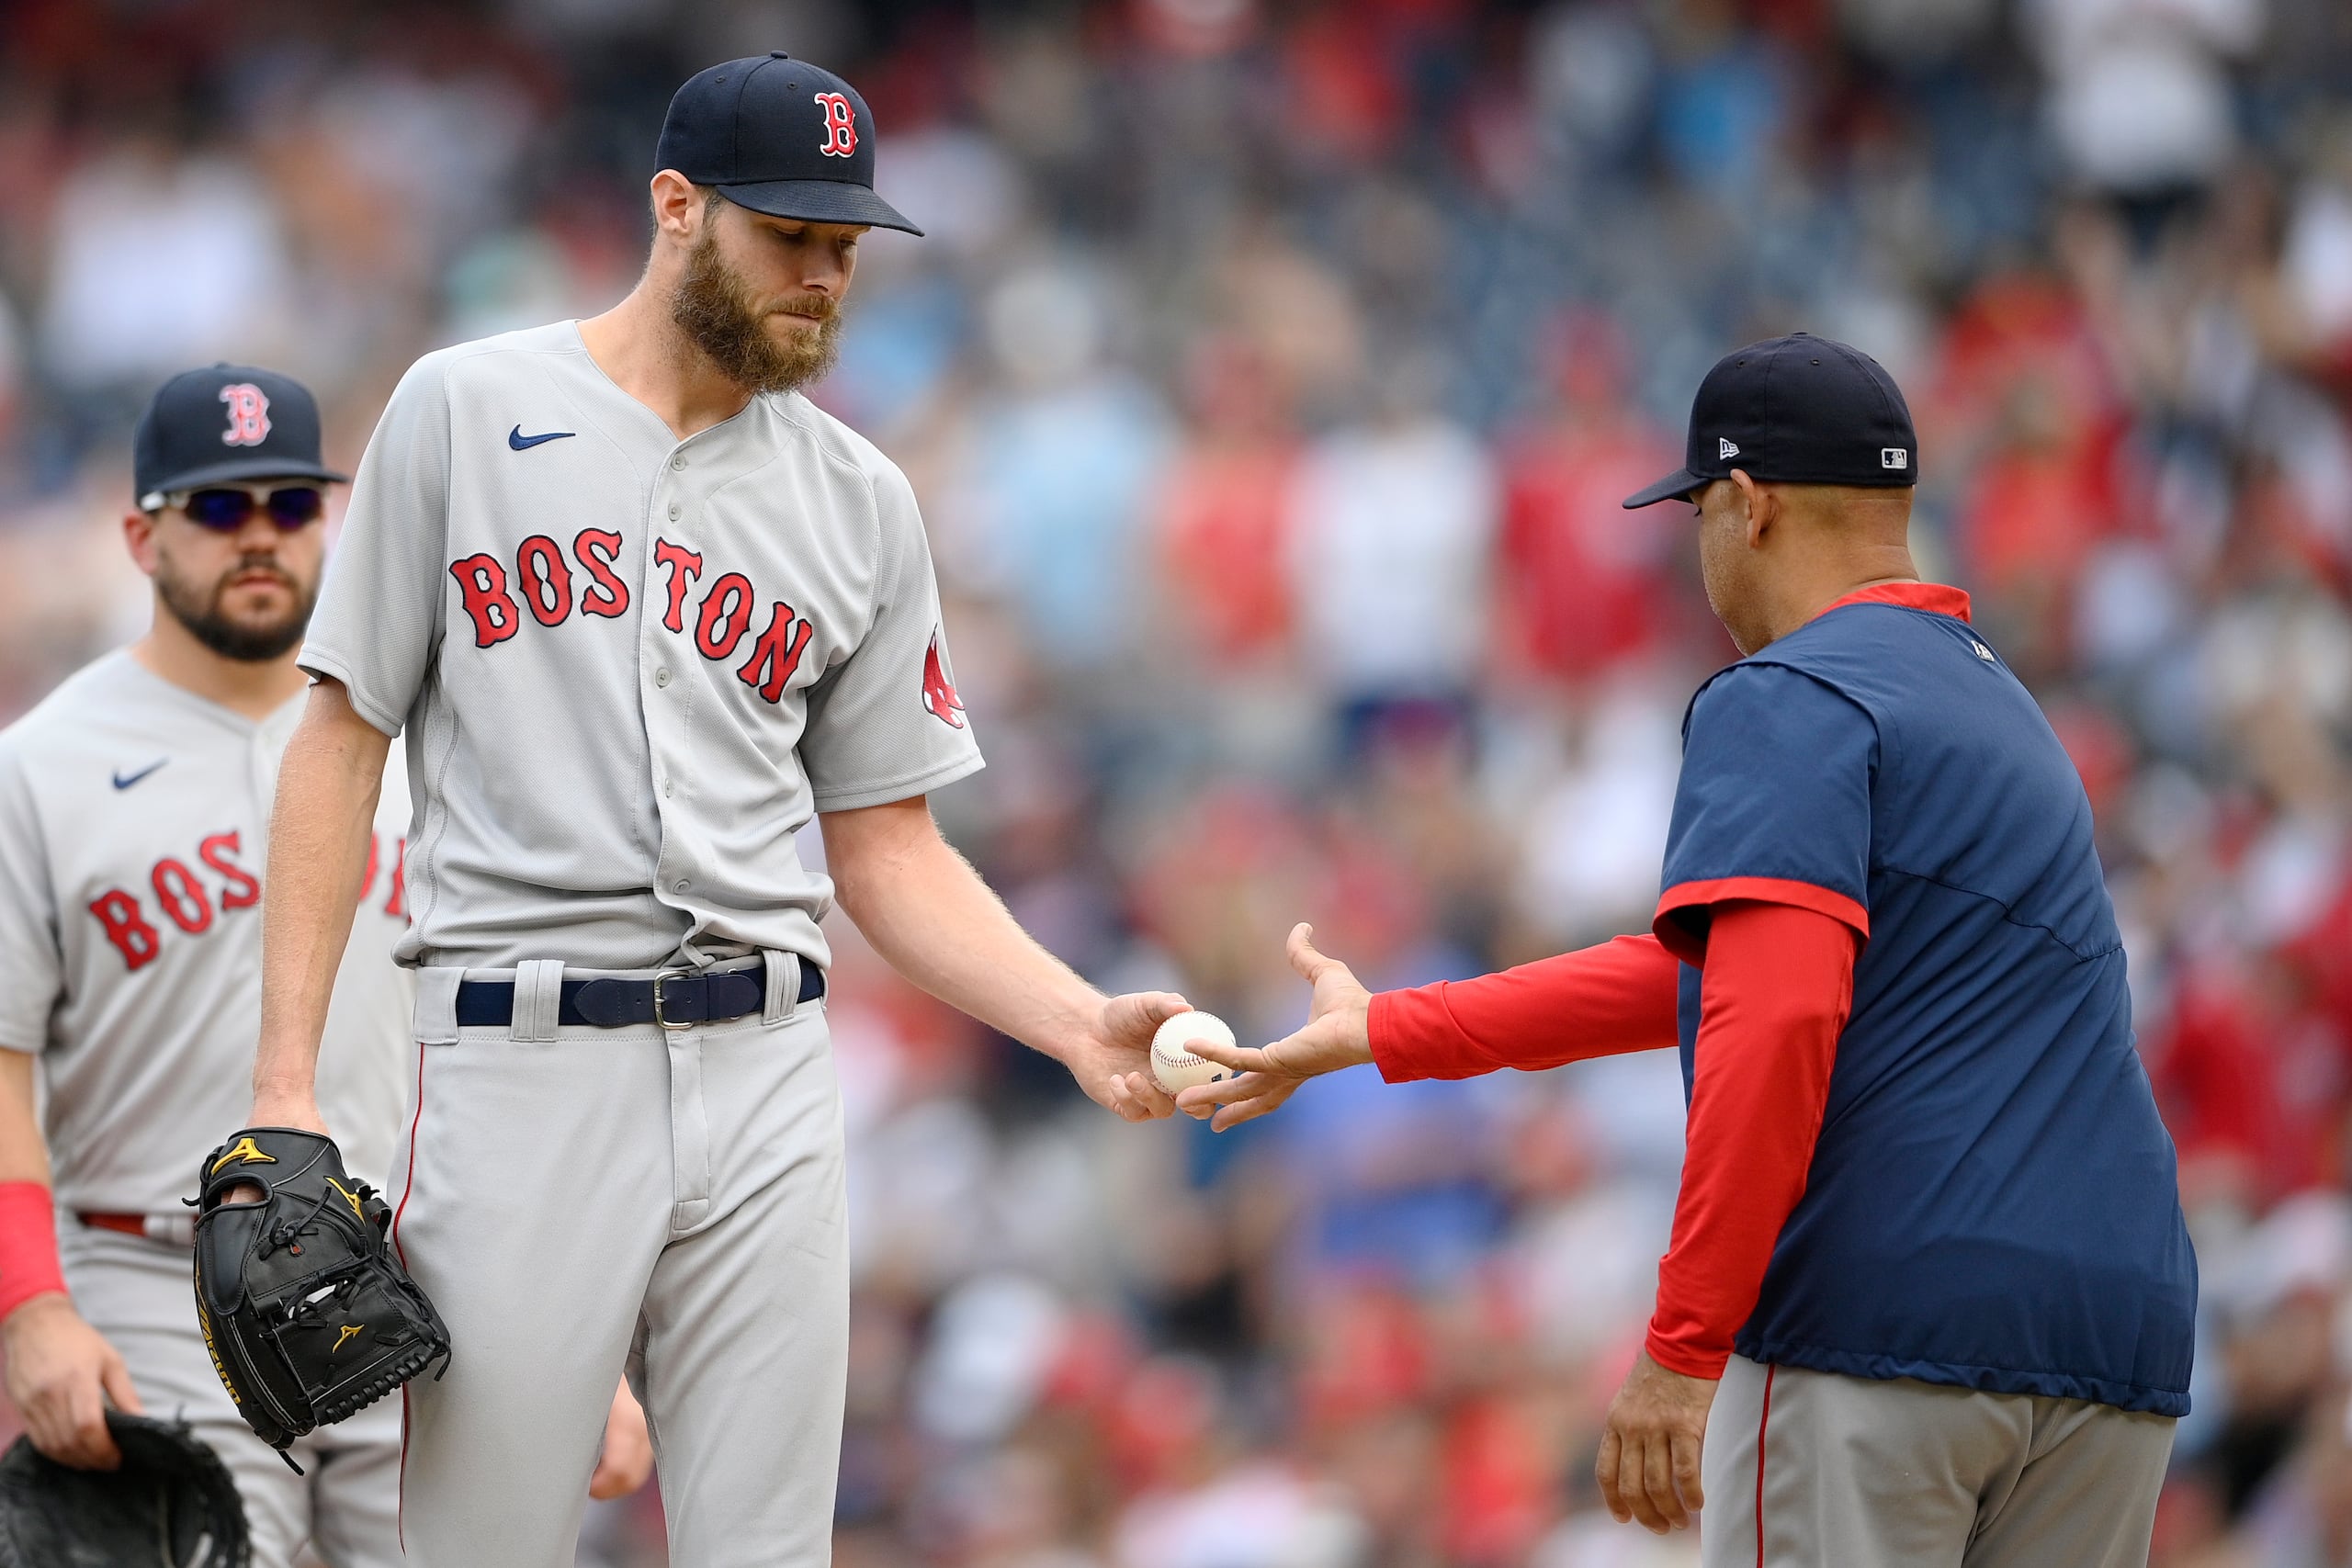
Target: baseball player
x,y
1930,1293
640,609
133,839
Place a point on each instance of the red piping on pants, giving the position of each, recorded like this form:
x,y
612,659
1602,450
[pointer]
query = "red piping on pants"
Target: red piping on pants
x,y
408,1184
1762,1422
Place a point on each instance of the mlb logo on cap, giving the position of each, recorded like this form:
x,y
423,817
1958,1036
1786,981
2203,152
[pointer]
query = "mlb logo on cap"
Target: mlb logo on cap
x,y
1800,410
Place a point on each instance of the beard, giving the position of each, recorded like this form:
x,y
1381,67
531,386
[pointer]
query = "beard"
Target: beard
x,y
714,308
247,641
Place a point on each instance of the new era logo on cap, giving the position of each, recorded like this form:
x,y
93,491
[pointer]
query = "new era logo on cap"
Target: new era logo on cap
x,y
1795,410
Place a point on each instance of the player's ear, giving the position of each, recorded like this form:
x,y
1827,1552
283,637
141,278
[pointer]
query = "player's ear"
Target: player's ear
x,y
139,539
677,207
1757,506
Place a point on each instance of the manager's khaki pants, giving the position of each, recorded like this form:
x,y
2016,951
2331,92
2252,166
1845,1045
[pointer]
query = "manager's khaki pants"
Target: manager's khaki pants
x,y
1853,1473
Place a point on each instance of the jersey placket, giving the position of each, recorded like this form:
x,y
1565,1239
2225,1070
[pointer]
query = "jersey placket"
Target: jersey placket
x,y
669,677
669,683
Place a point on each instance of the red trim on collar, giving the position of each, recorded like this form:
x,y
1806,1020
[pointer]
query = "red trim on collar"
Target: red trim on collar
x,y
1932,597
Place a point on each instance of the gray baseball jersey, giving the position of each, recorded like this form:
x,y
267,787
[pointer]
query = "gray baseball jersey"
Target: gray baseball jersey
x,y
134,821
629,667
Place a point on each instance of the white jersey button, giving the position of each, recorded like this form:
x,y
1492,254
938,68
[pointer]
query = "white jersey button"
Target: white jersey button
x,y
683,884
662,677
673,512
678,462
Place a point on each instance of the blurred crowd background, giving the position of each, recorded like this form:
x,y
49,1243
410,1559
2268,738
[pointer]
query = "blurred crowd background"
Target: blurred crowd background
x,y
1269,378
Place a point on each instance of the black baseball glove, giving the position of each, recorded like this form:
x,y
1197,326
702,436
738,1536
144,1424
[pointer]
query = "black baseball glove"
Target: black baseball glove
x,y
307,1313
172,1504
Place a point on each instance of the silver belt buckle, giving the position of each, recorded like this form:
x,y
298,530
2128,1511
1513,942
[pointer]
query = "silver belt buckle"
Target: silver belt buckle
x,y
659,1016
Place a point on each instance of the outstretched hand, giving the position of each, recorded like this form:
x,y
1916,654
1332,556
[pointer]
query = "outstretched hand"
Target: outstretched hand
x,y
1111,1062
1338,1035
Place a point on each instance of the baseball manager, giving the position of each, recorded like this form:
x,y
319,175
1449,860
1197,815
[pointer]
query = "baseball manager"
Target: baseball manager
x,y
1930,1293
640,609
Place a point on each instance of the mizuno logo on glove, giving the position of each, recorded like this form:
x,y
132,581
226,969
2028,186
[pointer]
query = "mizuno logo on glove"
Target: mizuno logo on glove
x,y
244,1150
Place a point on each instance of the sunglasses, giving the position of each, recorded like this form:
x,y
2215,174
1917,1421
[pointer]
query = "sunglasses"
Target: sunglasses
x,y
224,509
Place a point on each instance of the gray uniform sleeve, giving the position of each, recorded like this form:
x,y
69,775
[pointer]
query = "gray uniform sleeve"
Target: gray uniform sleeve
x,y
378,619
29,939
886,722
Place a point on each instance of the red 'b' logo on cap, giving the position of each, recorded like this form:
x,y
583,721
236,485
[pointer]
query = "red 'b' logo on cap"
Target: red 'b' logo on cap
x,y
248,414
841,125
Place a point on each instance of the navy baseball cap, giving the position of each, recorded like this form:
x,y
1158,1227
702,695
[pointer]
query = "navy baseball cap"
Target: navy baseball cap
x,y
224,425
779,136
1800,409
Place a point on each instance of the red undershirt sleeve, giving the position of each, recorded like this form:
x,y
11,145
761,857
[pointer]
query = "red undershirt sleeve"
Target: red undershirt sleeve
x,y
1596,1001
1779,984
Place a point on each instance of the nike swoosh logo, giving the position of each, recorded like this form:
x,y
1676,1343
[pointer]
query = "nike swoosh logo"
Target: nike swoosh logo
x,y
522,443
122,782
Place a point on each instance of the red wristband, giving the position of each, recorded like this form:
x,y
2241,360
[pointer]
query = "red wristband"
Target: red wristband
x,y
28,1266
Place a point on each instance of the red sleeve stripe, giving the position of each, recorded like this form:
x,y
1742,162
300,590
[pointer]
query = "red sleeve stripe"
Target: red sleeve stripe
x,y
1757,889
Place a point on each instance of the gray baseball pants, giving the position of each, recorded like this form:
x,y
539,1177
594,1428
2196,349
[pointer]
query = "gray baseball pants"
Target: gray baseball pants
x,y
580,1202
138,1293
1805,1470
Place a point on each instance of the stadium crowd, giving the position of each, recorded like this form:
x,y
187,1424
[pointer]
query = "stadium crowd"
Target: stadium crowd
x,y
1270,377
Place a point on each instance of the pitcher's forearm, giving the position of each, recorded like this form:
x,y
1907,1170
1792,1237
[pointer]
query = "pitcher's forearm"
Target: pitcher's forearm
x,y
935,922
931,917
327,787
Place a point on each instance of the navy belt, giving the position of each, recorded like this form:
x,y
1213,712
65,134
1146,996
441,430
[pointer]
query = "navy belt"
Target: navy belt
x,y
674,1001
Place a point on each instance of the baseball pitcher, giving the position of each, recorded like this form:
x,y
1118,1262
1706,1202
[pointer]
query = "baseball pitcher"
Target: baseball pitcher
x,y
639,610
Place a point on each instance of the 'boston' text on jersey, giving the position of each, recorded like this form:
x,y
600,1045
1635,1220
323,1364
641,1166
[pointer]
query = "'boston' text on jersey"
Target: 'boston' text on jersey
x,y
187,904
542,583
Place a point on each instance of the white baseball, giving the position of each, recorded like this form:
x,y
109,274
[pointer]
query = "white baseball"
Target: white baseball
x,y
1173,1067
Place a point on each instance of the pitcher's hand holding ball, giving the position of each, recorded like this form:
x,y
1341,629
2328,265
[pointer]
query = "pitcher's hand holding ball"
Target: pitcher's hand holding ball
x,y
1175,1067
1338,1035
